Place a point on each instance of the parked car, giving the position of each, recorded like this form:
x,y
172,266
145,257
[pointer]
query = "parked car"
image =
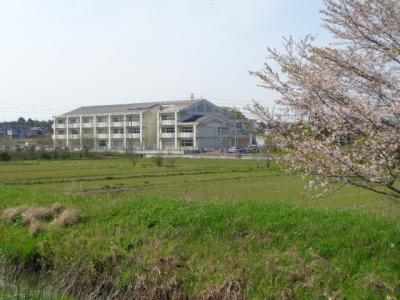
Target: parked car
x,y
231,150
254,148
79,149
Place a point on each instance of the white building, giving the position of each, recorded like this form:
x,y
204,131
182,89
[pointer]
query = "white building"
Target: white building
x,y
163,126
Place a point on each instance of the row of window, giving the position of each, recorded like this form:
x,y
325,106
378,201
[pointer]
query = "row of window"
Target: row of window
x,y
85,120
187,143
172,129
102,131
183,143
167,117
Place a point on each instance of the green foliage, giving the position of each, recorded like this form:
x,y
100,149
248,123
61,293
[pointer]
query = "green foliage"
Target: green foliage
x,y
45,155
5,156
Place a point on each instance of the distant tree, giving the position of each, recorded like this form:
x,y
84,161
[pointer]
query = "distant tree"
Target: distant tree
x,y
347,97
21,120
30,123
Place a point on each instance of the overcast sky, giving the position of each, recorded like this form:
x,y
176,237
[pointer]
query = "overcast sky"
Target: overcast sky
x,y
56,55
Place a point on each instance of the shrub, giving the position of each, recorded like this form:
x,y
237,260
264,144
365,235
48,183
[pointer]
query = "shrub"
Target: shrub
x,y
158,160
64,154
5,156
30,152
45,155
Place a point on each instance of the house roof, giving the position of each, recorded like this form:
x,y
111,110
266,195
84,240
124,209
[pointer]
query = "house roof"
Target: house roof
x,y
117,108
165,106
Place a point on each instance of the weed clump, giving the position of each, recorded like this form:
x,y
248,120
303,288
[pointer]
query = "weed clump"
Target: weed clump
x,y
35,216
10,215
57,208
68,217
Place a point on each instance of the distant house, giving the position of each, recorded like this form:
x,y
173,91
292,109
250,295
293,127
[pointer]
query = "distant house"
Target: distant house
x,y
2,132
35,131
17,133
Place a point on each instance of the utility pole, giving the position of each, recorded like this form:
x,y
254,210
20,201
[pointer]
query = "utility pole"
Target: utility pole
x,y
130,131
236,149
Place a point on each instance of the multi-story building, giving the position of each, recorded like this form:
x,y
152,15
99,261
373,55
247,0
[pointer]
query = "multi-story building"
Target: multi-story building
x,y
163,126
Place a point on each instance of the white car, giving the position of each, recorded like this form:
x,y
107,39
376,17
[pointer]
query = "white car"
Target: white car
x,y
231,150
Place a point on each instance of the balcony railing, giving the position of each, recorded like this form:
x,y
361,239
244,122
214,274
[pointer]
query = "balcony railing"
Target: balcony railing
x,y
102,124
167,122
167,135
87,125
60,136
132,123
185,134
133,135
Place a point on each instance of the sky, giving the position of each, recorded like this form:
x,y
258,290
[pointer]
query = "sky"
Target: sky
x,y
57,55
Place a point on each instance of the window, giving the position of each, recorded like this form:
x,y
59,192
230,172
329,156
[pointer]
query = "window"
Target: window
x,y
102,143
168,129
74,131
61,121
134,130
101,119
187,143
85,120
118,130
186,129
61,131
118,119
102,130
133,118
72,120
87,131
168,117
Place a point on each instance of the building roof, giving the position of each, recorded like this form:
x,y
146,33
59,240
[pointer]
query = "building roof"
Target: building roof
x,y
192,119
165,106
174,106
117,108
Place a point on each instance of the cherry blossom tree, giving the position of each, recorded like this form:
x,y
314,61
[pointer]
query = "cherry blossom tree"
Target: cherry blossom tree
x,y
346,97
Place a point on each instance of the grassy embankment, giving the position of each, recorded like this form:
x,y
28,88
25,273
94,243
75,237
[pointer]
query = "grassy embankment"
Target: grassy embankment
x,y
200,228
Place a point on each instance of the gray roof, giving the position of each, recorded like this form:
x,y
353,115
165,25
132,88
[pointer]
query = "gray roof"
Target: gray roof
x,y
166,106
174,106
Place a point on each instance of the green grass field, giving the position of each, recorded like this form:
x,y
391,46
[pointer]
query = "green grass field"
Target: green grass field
x,y
203,229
